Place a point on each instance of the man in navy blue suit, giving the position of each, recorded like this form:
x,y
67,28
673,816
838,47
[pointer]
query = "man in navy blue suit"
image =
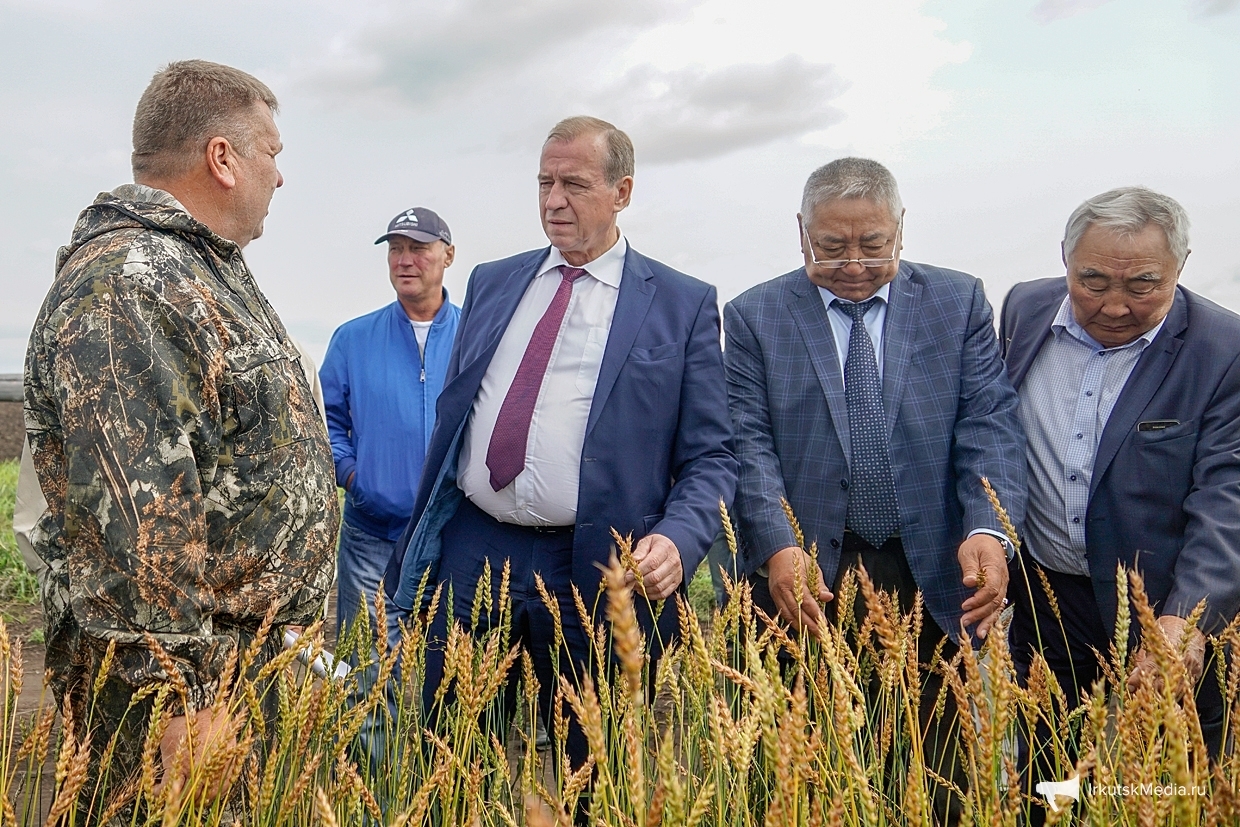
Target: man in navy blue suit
x,y
1130,393
585,393
869,393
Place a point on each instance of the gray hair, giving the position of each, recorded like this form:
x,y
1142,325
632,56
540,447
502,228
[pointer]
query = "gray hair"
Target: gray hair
x,y
619,162
1127,211
851,178
188,103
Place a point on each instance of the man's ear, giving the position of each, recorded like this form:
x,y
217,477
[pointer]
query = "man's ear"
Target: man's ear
x,y
222,162
624,192
449,255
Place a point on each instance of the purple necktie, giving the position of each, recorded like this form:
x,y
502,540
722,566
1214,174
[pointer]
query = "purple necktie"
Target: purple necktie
x,y
506,451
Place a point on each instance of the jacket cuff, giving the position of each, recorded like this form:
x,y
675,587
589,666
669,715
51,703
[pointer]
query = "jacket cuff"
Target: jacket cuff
x,y
344,467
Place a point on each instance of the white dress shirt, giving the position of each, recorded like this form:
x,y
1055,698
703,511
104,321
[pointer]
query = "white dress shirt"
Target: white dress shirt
x,y
545,492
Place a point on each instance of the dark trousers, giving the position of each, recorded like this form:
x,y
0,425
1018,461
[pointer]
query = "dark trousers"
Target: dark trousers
x,y
1069,649
889,571
472,539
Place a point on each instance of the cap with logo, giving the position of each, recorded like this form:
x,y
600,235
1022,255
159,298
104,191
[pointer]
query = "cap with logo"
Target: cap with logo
x,y
420,224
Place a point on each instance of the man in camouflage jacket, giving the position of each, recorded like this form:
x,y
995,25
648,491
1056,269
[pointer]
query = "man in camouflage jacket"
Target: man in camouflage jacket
x,y
188,475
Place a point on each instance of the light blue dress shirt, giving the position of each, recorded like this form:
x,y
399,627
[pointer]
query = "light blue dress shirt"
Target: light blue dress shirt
x,y
841,323
875,318
1065,402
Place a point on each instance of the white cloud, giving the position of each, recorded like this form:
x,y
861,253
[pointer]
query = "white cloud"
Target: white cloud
x,y
424,51
1213,7
1047,11
699,113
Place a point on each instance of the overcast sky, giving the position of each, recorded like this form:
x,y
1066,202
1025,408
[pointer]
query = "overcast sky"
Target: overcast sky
x,y
997,119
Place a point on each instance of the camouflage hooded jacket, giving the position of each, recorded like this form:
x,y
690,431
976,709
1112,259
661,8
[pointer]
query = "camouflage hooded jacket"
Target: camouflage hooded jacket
x,y
188,476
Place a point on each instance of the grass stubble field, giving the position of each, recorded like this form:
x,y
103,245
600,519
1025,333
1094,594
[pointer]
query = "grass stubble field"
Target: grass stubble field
x,y
729,737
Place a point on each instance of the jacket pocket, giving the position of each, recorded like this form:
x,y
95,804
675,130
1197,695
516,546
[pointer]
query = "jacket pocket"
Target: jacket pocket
x,y
649,522
654,354
268,410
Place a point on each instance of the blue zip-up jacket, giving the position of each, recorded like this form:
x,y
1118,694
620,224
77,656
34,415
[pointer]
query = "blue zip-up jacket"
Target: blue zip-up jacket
x,y
380,404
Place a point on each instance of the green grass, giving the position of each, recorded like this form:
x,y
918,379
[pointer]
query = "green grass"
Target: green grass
x,y
16,581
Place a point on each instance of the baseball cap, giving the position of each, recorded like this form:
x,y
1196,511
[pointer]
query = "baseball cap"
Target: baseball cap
x,y
420,224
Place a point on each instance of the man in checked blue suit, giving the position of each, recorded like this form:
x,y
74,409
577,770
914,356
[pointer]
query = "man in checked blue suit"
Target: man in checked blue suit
x,y
585,393
869,392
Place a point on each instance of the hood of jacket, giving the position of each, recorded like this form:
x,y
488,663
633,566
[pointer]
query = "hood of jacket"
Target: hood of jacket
x,y
138,207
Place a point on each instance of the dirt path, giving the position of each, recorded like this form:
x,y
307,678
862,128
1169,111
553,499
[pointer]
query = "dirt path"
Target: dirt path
x,y
24,621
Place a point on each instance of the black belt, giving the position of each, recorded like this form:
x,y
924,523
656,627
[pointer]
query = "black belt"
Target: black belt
x,y
538,530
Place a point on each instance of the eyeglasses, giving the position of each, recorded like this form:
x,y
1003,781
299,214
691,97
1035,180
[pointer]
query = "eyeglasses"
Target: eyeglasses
x,y
836,264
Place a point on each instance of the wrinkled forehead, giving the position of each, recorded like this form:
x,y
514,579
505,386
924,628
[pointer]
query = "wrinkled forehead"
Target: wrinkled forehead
x,y
851,217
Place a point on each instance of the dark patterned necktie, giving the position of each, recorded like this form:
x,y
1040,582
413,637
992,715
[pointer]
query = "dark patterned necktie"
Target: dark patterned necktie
x,y
872,509
506,450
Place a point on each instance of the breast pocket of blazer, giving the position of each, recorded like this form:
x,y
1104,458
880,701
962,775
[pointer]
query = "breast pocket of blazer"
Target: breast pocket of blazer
x,y
266,410
1168,454
661,366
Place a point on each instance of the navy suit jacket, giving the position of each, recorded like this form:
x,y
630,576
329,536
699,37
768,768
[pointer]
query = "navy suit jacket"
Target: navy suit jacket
x,y
951,416
656,457
1166,502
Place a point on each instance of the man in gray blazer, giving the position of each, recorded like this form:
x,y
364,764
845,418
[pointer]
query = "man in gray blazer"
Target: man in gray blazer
x,y
869,392
1130,393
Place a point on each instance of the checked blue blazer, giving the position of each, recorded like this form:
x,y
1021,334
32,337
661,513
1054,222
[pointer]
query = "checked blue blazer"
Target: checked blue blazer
x,y
951,413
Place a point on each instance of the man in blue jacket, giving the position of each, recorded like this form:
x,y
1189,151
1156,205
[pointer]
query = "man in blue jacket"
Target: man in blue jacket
x,y
381,378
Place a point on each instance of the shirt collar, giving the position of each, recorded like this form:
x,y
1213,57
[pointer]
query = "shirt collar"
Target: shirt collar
x,y
1065,322
607,268
881,293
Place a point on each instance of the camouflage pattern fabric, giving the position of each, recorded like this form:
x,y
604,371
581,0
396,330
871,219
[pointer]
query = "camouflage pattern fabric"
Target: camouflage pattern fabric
x,y
188,475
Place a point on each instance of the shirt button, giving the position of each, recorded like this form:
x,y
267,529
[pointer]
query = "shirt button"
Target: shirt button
x,y
1089,393
1076,519
1072,478
1080,436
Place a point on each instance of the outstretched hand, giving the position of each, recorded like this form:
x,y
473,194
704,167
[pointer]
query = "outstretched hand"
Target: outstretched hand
x,y
658,560
983,564
1145,669
786,569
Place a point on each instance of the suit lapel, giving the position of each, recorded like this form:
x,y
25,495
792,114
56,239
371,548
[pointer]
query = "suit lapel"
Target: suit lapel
x,y
899,332
1020,358
810,315
1141,386
636,293
498,315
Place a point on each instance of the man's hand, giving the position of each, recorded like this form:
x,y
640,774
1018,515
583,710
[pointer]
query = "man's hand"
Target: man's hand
x,y
212,734
785,569
984,566
658,560
1145,669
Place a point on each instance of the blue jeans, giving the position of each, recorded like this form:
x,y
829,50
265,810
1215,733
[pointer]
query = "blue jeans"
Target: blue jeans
x,y
360,564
